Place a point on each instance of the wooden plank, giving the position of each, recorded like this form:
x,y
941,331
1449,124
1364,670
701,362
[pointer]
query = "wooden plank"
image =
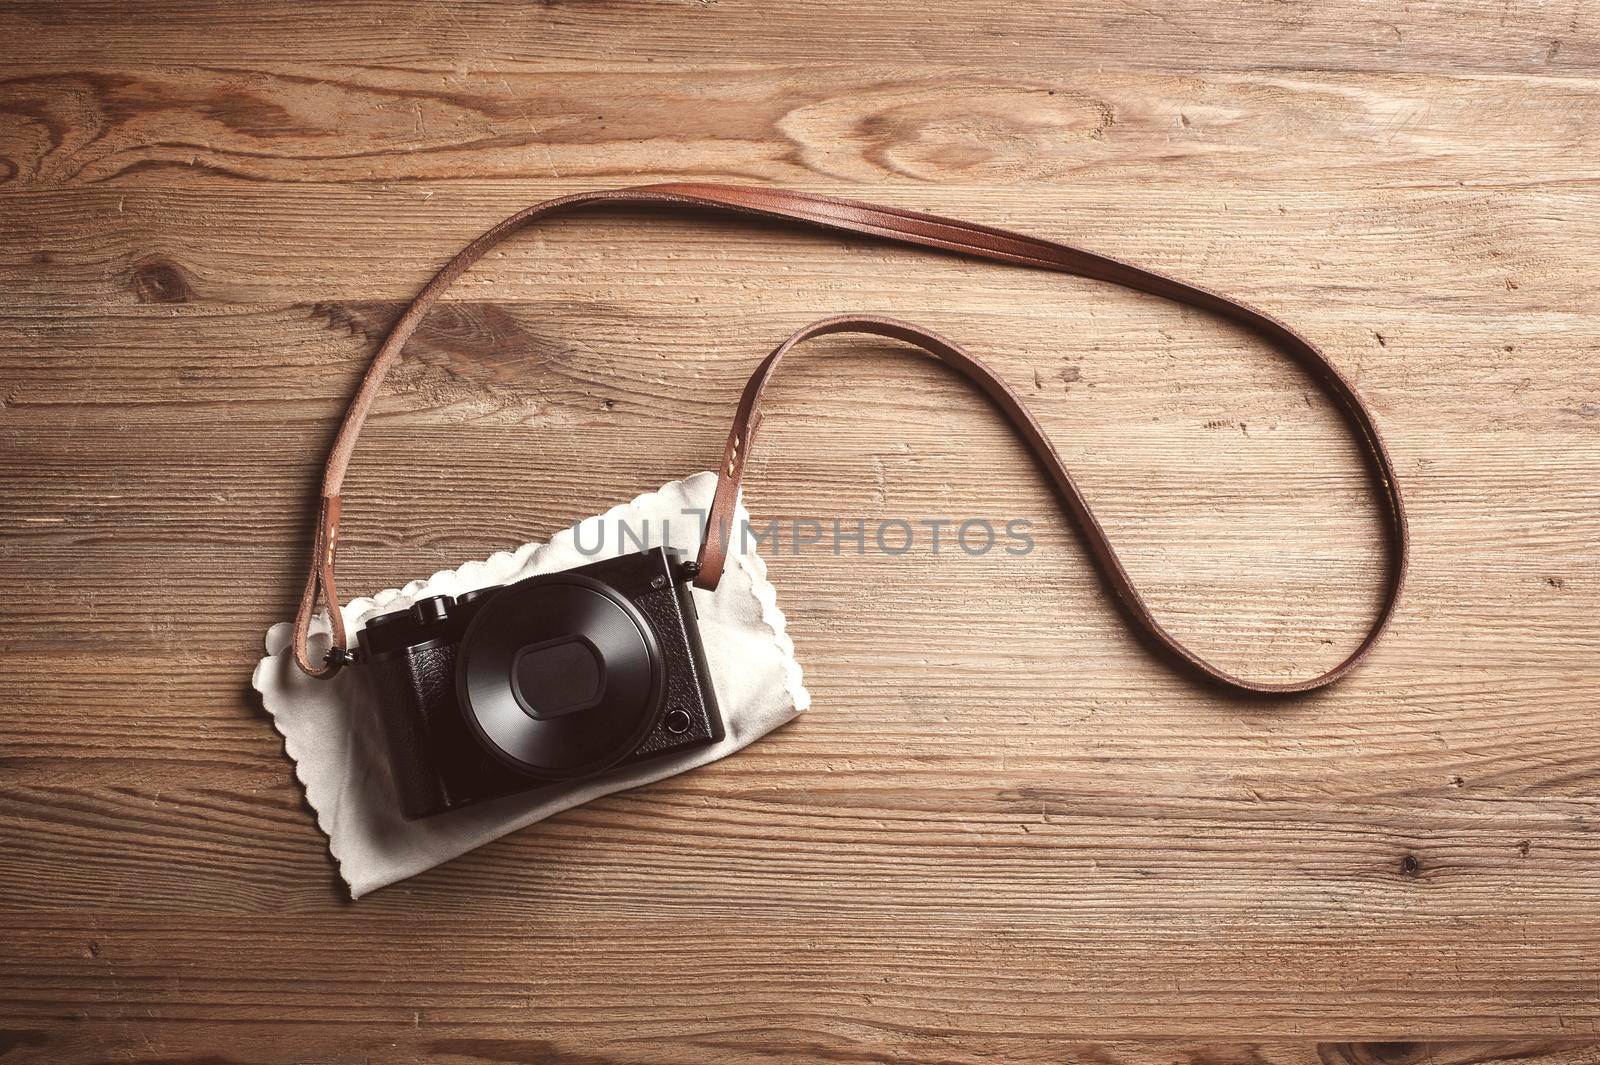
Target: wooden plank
x,y
1477,35
1092,359
931,828
806,1040
651,975
1383,256
796,123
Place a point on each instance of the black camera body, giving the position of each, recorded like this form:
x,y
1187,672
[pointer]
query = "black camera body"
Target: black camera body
x,y
558,677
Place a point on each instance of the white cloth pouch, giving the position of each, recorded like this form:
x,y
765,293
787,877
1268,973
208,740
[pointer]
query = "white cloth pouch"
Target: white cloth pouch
x,y
330,728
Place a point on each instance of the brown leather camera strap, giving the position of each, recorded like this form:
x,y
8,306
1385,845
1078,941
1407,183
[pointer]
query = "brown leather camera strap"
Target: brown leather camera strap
x,y
906,227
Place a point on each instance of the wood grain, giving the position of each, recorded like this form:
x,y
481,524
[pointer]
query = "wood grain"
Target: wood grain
x,y
1477,35
1004,832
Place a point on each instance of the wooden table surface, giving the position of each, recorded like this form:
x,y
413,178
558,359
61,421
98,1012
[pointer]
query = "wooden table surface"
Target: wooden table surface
x,y
1003,831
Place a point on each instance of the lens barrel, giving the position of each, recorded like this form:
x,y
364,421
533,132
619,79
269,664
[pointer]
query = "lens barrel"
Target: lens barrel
x,y
560,676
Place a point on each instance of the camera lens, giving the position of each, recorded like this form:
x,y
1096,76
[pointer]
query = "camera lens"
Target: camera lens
x,y
560,676
563,676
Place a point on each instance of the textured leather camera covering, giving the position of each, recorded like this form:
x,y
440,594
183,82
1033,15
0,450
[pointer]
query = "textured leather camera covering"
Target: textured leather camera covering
x,y
329,726
662,610
416,742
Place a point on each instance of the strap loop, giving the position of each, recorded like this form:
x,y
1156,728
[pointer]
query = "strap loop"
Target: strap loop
x,y
905,227
319,585
719,524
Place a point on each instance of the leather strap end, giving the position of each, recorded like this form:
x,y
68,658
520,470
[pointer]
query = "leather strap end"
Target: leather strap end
x,y
320,587
712,559
725,502
714,541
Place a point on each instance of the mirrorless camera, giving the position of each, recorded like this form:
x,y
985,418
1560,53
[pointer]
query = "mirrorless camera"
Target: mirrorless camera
x,y
554,678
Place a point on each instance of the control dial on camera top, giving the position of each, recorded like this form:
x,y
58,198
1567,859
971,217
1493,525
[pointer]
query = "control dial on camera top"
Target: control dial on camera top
x,y
559,675
434,609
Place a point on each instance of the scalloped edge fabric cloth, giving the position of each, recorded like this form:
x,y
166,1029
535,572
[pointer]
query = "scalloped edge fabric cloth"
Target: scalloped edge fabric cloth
x,y
329,726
